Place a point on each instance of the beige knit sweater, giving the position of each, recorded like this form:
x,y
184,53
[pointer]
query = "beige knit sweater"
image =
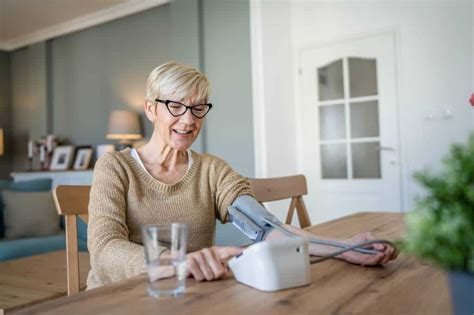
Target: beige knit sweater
x,y
124,196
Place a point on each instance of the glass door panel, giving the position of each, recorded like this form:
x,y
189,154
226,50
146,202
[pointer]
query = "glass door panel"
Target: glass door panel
x,y
363,77
366,160
332,122
348,110
364,119
330,81
333,161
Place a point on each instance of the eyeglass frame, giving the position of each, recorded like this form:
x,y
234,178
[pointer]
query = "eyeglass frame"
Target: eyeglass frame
x,y
166,102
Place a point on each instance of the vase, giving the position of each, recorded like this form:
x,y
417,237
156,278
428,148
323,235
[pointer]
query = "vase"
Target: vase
x,y
462,292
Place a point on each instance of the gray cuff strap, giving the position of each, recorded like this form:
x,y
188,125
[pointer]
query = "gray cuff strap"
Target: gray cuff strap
x,y
248,215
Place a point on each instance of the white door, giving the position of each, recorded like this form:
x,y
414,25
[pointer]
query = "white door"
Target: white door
x,y
349,128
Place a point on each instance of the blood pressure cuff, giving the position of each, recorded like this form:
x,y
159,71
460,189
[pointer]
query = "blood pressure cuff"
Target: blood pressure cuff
x,y
250,217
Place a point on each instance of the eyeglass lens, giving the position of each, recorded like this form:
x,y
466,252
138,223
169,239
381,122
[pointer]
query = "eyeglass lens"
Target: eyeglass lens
x,y
177,109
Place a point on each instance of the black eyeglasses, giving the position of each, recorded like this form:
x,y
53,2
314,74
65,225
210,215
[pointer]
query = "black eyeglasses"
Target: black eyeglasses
x,y
177,109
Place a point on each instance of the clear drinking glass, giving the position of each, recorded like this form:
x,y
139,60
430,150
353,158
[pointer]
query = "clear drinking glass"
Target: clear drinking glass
x,y
165,257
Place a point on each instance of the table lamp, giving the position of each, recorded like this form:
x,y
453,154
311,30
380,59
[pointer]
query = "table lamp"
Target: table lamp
x,y
1,142
124,126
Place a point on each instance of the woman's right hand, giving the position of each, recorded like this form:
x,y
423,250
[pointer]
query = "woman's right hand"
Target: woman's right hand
x,y
210,263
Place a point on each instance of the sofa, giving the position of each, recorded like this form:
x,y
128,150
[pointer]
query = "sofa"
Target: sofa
x,y
13,248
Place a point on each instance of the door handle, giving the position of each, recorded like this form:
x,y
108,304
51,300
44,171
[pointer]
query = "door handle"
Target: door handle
x,y
385,148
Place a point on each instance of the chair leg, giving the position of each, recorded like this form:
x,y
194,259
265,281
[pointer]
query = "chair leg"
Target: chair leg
x,y
302,213
72,255
291,211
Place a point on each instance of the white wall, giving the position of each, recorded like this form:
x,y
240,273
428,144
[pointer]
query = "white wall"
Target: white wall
x,y
435,72
273,97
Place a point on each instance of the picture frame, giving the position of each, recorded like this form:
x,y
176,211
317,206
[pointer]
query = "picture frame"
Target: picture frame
x,y
62,157
83,158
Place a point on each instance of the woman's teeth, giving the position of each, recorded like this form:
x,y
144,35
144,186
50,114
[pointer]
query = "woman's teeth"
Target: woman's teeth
x,y
182,132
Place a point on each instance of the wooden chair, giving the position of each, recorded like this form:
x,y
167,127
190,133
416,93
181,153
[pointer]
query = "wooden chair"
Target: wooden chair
x,y
278,188
72,201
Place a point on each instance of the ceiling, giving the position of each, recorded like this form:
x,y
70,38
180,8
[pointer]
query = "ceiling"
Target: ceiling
x,y
24,22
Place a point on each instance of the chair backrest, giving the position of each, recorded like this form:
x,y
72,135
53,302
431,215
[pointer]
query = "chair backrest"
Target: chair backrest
x,y
72,201
279,188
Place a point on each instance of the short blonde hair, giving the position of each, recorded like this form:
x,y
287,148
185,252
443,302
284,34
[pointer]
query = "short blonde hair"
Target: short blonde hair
x,y
176,81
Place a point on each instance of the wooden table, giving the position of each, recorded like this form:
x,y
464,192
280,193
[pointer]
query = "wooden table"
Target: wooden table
x,y
404,286
34,279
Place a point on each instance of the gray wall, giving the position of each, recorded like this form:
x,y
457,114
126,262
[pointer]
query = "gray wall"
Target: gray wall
x,y
227,63
29,112
92,72
5,113
73,82
105,68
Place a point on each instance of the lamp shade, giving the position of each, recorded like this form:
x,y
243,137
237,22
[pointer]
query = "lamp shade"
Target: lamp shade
x,y
124,125
1,142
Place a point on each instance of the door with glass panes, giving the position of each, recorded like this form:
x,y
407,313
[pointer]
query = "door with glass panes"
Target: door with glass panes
x,y
349,128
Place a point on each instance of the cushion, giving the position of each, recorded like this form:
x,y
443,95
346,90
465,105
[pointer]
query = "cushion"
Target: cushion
x,y
12,249
5,183
23,247
29,214
42,184
81,230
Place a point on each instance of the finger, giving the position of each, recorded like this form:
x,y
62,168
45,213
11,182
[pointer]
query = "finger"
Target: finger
x,y
227,252
385,259
368,246
203,265
379,260
214,262
368,237
393,253
371,260
380,246
195,270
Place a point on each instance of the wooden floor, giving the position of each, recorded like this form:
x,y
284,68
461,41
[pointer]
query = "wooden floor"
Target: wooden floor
x,y
35,279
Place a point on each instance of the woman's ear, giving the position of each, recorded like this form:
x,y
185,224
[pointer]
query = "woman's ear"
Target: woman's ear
x,y
150,110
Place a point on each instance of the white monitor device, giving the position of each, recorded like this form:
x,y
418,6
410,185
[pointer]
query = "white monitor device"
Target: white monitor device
x,y
273,265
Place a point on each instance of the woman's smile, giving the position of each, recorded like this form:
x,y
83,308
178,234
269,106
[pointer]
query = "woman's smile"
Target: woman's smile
x,y
182,132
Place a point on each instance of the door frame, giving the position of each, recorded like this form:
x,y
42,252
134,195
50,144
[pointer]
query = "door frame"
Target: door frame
x,y
258,91
298,90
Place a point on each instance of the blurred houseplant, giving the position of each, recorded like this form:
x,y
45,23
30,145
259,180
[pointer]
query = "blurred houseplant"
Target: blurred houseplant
x,y
441,228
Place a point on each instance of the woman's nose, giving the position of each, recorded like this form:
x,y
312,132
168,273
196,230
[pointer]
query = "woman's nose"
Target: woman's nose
x,y
188,117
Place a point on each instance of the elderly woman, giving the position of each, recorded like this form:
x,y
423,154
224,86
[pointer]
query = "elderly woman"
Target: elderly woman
x,y
164,181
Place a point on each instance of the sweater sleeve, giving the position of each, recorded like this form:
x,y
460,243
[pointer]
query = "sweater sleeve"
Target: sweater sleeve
x,y
113,256
229,186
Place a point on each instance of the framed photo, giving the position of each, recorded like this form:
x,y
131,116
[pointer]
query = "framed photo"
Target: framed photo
x,y
83,158
62,157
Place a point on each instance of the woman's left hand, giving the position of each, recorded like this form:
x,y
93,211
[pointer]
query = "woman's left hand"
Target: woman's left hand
x,y
386,252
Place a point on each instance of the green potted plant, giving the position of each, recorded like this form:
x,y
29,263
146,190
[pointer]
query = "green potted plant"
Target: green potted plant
x,y
441,227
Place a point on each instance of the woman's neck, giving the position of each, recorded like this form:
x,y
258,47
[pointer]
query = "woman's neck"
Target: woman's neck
x,y
157,154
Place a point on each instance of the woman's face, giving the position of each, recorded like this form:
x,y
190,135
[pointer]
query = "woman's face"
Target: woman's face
x,y
177,132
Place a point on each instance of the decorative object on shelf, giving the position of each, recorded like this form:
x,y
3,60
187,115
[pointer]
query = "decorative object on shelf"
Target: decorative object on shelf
x,y
441,228
1,142
124,125
51,143
44,148
31,154
83,158
62,157
102,149
43,156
